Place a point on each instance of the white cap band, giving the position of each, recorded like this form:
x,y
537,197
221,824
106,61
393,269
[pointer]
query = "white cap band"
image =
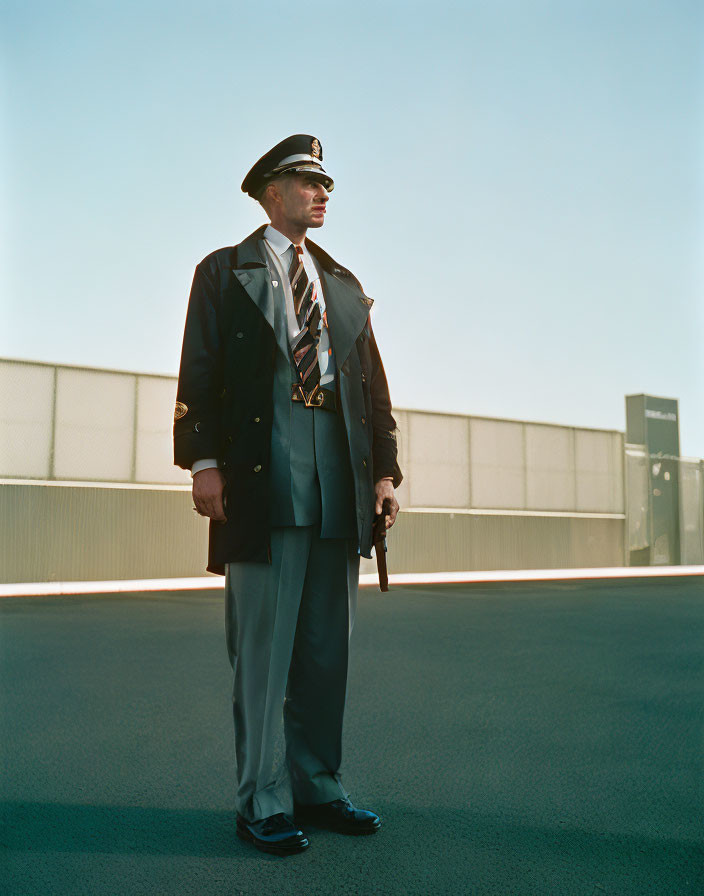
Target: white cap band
x,y
301,157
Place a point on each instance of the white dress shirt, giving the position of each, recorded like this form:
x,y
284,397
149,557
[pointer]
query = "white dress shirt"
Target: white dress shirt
x,y
281,254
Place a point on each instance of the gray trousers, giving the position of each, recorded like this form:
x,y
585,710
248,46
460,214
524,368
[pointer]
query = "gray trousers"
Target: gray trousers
x,y
287,627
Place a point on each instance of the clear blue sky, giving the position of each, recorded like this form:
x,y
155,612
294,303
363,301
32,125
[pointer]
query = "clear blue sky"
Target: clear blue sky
x,y
519,186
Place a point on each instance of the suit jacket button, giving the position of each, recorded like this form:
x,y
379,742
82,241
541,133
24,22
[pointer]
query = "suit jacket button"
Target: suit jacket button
x,y
240,335
256,419
257,468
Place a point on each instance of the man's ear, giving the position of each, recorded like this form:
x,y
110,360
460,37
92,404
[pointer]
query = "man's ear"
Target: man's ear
x,y
274,191
265,197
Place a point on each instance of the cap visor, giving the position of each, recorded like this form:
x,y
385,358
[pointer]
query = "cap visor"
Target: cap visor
x,y
311,170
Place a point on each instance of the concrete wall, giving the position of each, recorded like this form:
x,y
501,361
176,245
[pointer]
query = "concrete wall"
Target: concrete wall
x,y
59,532
453,542
75,532
89,490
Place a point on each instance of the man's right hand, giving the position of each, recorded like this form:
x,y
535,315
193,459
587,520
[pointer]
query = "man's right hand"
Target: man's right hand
x,y
208,488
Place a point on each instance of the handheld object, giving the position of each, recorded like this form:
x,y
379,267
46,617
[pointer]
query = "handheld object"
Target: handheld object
x,y
379,541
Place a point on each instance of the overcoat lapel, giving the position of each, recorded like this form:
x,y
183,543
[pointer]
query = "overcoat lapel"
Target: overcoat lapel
x,y
257,284
255,277
348,310
253,274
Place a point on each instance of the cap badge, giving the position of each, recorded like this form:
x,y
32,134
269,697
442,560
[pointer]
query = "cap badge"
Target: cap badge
x,y
180,410
315,148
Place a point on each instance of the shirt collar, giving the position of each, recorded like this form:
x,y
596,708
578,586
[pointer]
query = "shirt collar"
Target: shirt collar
x,y
278,241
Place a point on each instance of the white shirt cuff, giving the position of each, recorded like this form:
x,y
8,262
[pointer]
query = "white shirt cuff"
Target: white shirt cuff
x,y
205,464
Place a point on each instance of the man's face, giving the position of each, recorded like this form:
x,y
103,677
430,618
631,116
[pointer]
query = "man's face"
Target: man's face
x,y
302,200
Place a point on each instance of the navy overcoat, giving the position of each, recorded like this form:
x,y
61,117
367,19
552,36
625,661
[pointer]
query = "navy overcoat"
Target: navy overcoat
x,y
224,399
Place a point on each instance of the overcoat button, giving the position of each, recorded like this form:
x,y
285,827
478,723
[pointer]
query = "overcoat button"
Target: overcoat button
x,y
257,468
364,420
274,282
196,428
240,335
256,419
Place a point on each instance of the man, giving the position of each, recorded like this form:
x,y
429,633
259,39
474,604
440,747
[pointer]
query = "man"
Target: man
x,y
283,417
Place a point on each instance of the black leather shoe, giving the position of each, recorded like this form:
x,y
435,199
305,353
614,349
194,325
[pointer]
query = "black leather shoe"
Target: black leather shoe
x,y
277,834
339,815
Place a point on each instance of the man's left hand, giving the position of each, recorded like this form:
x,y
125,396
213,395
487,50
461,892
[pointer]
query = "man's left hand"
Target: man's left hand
x,y
385,489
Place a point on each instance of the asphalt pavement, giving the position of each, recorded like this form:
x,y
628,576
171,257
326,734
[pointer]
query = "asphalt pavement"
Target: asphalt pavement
x,y
515,739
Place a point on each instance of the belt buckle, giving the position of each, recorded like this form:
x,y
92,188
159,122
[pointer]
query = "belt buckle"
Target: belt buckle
x,y
315,399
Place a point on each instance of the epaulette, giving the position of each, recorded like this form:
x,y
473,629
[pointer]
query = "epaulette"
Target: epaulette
x,y
334,266
343,272
218,258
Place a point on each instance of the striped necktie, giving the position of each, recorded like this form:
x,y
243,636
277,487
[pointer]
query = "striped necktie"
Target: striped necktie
x,y
305,344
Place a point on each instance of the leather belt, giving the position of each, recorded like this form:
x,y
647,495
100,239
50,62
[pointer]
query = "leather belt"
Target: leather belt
x,y
318,397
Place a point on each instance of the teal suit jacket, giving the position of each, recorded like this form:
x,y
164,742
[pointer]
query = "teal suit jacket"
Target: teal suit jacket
x,y
311,482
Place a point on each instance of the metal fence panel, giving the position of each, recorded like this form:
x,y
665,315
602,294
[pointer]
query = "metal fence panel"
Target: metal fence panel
x,y
691,511
438,460
403,492
498,475
154,444
26,411
550,468
94,428
598,471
